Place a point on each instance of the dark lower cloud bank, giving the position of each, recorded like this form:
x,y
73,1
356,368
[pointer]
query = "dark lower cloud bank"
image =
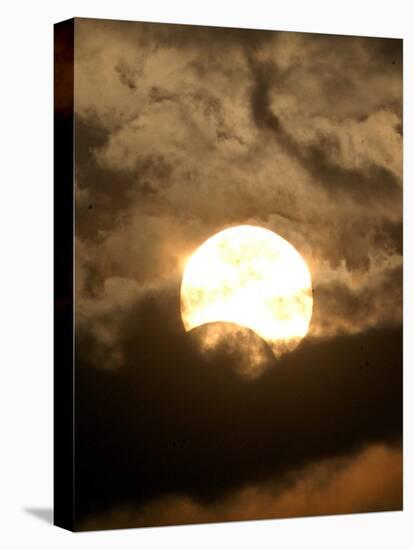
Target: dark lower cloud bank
x,y
173,421
349,485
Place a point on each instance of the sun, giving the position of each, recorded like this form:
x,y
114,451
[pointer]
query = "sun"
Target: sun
x,y
254,278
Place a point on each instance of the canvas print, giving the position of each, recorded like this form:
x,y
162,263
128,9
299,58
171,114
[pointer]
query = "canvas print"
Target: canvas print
x,y
228,217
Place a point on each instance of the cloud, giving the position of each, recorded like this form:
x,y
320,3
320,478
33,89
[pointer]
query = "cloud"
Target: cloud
x,y
370,481
181,132
155,415
323,150
340,309
197,129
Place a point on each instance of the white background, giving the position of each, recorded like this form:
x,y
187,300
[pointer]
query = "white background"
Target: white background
x,y
26,225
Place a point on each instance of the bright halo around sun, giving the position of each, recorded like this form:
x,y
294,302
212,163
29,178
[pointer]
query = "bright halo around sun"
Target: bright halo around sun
x,y
251,277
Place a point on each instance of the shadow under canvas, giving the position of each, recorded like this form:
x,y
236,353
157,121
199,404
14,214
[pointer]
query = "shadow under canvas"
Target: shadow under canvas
x,y
44,514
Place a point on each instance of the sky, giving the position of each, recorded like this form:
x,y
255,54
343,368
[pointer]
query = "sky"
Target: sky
x,y
181,132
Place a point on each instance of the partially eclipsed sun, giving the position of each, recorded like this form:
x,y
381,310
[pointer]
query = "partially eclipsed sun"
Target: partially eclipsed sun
x,y
252,277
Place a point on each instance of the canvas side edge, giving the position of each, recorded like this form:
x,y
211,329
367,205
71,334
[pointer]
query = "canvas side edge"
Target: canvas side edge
x,y
63,246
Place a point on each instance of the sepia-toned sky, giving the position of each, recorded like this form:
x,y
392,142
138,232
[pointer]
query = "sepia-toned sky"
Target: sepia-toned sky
x,y
182,131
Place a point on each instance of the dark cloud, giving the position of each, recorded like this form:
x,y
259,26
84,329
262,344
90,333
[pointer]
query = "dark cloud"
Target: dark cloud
x,y
173,420
389,236
338,486
371,184
127,75
105,195
339,309
387,53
